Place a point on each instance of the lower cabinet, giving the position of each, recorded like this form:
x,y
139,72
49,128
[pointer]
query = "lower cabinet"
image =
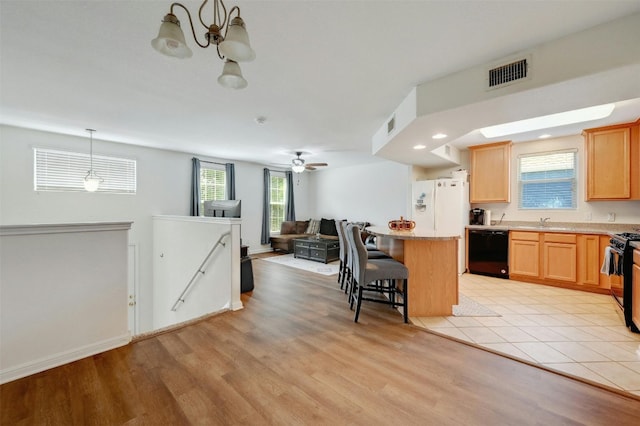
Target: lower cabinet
x,y
524,254
608,281
561,259
589,259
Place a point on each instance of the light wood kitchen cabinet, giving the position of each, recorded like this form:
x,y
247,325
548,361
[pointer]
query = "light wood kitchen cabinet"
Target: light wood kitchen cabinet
x,y
607,281
490,173
559,258
524,254
613,162
588,259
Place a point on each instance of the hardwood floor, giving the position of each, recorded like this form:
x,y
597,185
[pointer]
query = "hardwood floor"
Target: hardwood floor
x,y
295,356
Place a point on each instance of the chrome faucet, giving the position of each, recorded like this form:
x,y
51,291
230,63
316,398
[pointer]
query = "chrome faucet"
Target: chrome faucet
x,y
543,221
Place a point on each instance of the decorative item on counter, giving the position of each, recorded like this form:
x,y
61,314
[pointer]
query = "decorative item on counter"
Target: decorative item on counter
x,y
401,225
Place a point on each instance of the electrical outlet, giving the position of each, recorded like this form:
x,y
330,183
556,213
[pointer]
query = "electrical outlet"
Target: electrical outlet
x,y
611,217
587,216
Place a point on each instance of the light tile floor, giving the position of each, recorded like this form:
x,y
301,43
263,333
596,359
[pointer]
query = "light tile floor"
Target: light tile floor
x,y
575,332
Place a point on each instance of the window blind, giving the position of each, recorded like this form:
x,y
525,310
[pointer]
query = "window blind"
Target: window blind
x,y
65,171
213,184
547,181
278,197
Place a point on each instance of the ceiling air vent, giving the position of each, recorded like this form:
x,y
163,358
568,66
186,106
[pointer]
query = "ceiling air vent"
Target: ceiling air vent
x,y
391,125
508,73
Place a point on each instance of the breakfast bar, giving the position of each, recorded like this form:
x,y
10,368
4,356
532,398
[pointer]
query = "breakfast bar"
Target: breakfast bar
x,y
433,267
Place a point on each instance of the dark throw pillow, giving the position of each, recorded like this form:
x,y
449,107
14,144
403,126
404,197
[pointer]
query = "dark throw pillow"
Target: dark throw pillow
x,y
328,227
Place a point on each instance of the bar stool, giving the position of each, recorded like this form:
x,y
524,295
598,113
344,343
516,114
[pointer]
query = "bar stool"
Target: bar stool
x,y
375,276
347,277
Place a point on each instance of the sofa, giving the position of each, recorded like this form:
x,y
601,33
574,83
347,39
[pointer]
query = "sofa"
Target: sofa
x,y
291,230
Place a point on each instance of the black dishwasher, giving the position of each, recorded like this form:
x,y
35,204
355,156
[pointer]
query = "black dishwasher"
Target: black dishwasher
x,y
489,253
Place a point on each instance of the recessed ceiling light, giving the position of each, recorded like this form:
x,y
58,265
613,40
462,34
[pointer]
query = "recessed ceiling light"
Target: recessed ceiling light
x,y
439,136
545,136
419,146
548,121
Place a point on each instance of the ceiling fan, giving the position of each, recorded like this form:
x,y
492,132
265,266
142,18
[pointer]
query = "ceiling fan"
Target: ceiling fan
x,y
298,165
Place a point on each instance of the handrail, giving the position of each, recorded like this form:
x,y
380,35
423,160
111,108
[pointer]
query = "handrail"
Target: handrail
x,y
186,289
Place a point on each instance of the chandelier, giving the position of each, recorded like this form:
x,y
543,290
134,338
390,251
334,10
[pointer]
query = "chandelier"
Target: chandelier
x,y
233,47
91,181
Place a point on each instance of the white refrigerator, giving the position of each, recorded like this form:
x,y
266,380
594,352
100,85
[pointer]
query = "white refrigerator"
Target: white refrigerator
x,y
442,205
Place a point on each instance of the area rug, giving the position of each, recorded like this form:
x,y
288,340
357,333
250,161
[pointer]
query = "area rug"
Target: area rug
x,y
470,308
307,265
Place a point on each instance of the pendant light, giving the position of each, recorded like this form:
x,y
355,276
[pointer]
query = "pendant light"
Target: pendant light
x,y
233,46
91,181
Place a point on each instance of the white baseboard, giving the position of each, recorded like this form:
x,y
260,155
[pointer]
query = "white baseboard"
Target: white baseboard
x,y
42,364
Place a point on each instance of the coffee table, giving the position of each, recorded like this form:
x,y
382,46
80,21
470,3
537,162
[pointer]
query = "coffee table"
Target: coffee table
x,y
316,249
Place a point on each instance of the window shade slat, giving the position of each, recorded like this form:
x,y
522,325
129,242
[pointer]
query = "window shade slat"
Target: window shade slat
x,y
65,171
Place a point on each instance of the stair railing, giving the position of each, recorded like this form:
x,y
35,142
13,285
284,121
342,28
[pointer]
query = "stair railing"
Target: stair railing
x,y
199,270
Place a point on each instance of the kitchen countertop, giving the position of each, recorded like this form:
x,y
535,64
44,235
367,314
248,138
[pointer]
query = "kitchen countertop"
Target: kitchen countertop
x,y
571,227
414,234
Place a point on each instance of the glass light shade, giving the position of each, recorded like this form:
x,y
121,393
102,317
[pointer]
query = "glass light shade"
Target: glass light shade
x,y
91,182
297,168
236,42
170,40
231,76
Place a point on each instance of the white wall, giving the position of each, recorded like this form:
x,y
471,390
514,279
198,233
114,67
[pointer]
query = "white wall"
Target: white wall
x,y
63,294
180,246
163,189
375,193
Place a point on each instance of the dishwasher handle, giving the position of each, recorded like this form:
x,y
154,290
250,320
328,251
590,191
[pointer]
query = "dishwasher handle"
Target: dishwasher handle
x,y
487,232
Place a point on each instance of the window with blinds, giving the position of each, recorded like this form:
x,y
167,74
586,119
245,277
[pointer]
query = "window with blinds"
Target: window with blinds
x,y
278,198
65,171
213,185
547,181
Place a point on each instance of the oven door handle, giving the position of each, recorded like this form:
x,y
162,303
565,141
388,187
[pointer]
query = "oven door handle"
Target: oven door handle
x,y
617,250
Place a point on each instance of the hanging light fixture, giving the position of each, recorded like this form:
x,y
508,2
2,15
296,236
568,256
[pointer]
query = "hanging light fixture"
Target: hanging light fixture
x,y
91,181
297,164
233,46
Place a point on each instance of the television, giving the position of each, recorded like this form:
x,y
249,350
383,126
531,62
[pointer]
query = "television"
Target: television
x,y
222,208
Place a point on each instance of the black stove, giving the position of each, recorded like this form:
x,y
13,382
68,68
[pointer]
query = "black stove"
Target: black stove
x,y
620,254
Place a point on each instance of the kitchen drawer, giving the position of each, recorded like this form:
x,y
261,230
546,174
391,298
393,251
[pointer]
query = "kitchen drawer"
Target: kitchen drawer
x,y
636,257
560,238
527,236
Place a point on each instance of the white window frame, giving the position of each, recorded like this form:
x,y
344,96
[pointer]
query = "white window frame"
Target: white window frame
x,y
571,179
224,196
276,222
64,171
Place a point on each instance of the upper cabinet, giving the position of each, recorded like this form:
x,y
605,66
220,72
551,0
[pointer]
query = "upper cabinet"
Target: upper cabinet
x,y
490,173
613,162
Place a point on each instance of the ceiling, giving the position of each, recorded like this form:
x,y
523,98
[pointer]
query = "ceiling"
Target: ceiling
x,y
327,76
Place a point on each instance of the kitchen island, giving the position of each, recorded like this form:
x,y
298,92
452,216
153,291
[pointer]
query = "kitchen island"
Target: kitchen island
x,y
433,267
